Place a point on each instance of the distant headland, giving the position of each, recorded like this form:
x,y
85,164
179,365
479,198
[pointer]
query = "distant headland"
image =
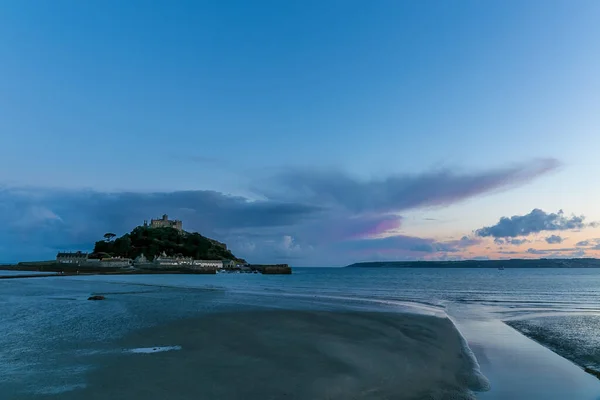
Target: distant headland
x,y
159,247
500,264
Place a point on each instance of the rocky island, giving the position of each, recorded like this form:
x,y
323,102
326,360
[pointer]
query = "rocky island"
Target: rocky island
x,y
159,247
154,243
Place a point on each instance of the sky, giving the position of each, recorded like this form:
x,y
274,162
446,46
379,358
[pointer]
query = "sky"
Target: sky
x,y
317,133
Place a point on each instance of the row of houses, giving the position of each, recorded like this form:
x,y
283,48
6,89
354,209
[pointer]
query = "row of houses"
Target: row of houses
x,y
162,261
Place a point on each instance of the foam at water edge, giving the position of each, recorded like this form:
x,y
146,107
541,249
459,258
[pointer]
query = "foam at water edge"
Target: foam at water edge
x,y
476,380
149,350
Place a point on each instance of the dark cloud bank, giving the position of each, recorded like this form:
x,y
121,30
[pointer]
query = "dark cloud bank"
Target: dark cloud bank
x,y
535,222
318,218
399,192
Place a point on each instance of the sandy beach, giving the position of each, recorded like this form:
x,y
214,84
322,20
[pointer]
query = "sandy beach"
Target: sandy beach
x,y
291,355
325,334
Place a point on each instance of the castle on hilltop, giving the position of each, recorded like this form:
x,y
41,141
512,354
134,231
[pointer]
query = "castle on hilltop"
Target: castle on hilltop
x,y
165,222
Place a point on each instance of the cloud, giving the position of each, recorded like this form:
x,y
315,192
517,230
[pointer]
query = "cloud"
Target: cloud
x,y
397,192
536,251
284,249
465,241
404,244
554,239
329,227
64,219
34,216
534,222
326,218
41,222
369,226
393,243
550,251
514,242
578,253
589,243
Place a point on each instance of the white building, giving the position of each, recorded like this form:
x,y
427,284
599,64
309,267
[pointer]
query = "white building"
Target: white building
x,y
116,262
165,261
141,259
72,258
229,264
196,264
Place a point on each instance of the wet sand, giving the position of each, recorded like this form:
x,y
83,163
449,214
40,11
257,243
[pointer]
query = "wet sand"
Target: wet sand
x,y
556,333
521,369
288,355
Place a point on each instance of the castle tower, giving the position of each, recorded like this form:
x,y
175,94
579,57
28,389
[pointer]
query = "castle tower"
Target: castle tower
x,y
164,222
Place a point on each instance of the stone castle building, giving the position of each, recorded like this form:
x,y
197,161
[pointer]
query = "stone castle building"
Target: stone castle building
x,y
165,222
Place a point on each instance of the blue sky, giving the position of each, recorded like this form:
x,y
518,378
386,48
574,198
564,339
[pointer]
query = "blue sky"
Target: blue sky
x,y
381,123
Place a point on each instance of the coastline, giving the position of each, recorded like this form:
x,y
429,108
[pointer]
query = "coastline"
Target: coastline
x,y
513,263
73,270
289,354
71,342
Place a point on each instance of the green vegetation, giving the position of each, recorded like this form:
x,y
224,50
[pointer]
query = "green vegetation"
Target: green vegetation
x,y
109,236
153,241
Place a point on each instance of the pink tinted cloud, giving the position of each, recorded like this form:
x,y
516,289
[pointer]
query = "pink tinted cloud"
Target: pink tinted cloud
x,y
369,227
406,247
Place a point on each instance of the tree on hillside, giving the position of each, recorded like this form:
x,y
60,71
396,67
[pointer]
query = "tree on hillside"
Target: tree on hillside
x,y
109,236
122,246
154,241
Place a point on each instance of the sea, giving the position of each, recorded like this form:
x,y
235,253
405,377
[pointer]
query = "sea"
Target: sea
x,y
48,329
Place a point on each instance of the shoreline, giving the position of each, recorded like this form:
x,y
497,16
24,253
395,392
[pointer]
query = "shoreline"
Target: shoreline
x,y
86,270
562,348
519,367
42,274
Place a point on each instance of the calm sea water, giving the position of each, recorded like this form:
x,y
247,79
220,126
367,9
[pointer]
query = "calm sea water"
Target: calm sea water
x,y
47,327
